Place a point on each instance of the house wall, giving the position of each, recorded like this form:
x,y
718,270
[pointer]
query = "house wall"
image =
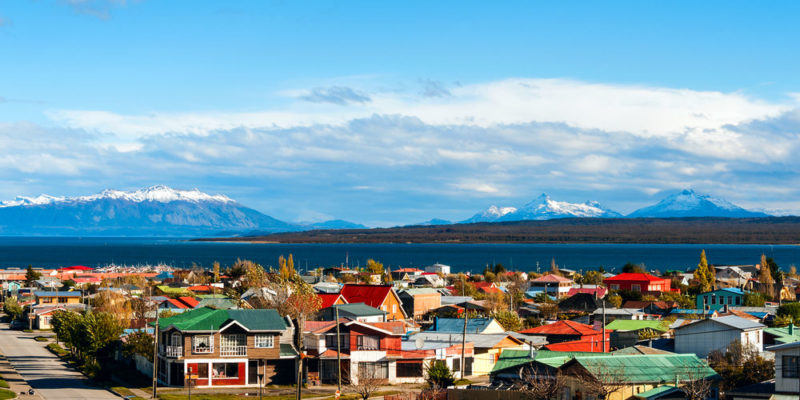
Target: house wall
x,y
252,351
393,306
785,385
720,299
702,338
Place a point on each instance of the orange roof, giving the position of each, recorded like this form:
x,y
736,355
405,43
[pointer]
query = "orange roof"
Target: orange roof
x,y
408,270
189,301
200,288
551,278
563,327
396,327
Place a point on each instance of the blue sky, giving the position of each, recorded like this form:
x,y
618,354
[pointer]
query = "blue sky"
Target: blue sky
x,y
387,113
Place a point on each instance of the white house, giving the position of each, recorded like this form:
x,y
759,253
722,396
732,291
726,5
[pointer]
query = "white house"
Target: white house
x,y
438,268
787,367
706,335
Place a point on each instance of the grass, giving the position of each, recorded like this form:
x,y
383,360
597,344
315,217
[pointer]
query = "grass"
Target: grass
x,y
7,394
3,384
56,349
28,330
41,338
462,382
124,392
356,396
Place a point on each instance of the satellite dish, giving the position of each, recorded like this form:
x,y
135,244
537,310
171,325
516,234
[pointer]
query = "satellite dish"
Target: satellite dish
x,y
420,342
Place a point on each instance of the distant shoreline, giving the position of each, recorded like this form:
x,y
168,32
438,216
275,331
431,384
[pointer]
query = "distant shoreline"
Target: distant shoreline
x,y
757,231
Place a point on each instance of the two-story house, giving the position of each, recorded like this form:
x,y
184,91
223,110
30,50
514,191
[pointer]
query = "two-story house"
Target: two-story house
x,y
639,282
226,348
551,284
417,302
785,386
382,297
53,298
717,299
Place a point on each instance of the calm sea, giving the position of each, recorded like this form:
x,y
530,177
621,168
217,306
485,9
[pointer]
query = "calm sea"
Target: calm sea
x,y
57,252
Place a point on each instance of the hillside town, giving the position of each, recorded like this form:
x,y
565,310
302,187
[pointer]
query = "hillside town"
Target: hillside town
x,y
706,332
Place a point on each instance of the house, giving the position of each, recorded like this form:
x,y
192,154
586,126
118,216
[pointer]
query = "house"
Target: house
x,y
787,334
636,374
591,344
613,314
225,348
429,279
594,290
626,333
406,274
652,307
382,297
691,313
785,386
552,284
57,297
438,268
706,335
486,287
373,348
717,299
487,347
580,303
474,325
353,311
417,302
732,275
330,299
564,331
42,315
639,282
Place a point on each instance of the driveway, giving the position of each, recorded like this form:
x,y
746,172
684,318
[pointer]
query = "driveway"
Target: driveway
x,y
51,378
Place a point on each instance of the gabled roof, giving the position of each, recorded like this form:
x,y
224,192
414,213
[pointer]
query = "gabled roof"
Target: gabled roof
x,y
786,334
599,291
563,327
189,301
177,304
635,325
329,299
590,344
647,367
663,305
479,340
736,291
633,276
657,392
456,325
44,293
371,295
638,349
551,278
207,319
731,321
358,309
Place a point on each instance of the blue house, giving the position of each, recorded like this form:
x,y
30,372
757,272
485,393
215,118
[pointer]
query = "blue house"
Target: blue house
x,y
717,299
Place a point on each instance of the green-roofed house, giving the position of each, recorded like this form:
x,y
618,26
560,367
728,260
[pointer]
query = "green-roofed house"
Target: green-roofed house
x,y
226,347
626,333
626,376
787,334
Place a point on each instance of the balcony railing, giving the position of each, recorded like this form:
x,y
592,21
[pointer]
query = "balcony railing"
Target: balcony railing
x,y
202,349
232,351
172,351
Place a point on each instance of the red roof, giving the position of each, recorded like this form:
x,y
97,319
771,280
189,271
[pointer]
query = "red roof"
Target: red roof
x,y
551,278
328,299
177,303
589,344
371,295
76,268
200,288
563,327
189,301
631,276
601,292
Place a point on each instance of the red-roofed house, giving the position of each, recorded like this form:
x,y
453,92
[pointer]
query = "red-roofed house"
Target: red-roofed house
x,y
639,282
331,299
598,292
590,344
202,289
382,297
564,331
190,302
174,305
552,284
486,287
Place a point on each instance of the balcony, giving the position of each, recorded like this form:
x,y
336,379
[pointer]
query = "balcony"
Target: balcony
x,y
233,351
172,351
202,349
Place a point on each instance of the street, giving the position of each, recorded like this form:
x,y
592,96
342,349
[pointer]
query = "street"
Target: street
x,y
48,375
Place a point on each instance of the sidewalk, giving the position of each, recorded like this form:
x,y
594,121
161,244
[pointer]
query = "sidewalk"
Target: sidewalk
x,y
15,382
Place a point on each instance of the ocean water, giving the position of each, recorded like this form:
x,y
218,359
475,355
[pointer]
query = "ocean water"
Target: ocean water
x,y
94,252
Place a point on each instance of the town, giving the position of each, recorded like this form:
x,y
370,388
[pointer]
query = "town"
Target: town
x,y
704,332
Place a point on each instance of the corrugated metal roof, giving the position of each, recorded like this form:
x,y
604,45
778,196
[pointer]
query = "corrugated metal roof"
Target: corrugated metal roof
x,y
660,368
359,309
479,341
729,320
562,327
656,392
456,325
208,319
635,325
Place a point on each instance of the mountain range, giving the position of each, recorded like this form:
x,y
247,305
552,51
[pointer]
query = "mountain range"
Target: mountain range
x,y
163,211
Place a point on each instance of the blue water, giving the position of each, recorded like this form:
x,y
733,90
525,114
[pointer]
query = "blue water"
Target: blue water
x,y
57,252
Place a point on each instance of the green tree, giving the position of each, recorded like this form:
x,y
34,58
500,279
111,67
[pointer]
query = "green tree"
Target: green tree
x,y
593,278
12,308
489,276
140,343
615,300
682,300
753,299
790,309
633,268
31,276
704,274
439,375
509,320
499,269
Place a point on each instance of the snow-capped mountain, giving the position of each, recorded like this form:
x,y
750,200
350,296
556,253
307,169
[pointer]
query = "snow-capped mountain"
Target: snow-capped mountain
x,y
491,214
690,204
154,211
542,208
432,222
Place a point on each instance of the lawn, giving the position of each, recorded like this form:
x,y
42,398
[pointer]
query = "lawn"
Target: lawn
x,y
7,394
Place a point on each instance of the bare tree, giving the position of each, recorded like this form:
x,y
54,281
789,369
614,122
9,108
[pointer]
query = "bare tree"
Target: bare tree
x,y
601,380
539,384
696,384
432,393
367,383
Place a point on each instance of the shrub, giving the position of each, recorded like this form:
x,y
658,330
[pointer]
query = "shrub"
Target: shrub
x,y
790,309
439,375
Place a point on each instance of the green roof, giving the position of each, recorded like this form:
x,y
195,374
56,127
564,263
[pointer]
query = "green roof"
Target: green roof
x,y
662,368
209,319
635,325
287,350
515,358
782,335
212,296
655,392
358,309
171,290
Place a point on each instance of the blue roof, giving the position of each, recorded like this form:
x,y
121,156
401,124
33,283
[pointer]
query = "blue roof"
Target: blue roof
x,y
456,325
43,293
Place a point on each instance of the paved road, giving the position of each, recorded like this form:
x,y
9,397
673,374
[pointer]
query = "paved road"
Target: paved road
x,y
50,377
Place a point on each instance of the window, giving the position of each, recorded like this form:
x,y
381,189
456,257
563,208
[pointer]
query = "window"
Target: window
x,y
233,340
614,286
376,370
791,367
202,371
202,344
713,299
225,370
265,341
456,365
409,369
394,308
738,300
330,341
368,343
636,288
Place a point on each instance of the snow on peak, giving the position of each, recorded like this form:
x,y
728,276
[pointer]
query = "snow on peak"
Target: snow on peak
x,y
158,193
541,208
687,203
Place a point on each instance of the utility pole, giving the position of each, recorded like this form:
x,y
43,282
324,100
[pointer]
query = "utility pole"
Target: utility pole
x,y
155,355
603,342
464,334
338,353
